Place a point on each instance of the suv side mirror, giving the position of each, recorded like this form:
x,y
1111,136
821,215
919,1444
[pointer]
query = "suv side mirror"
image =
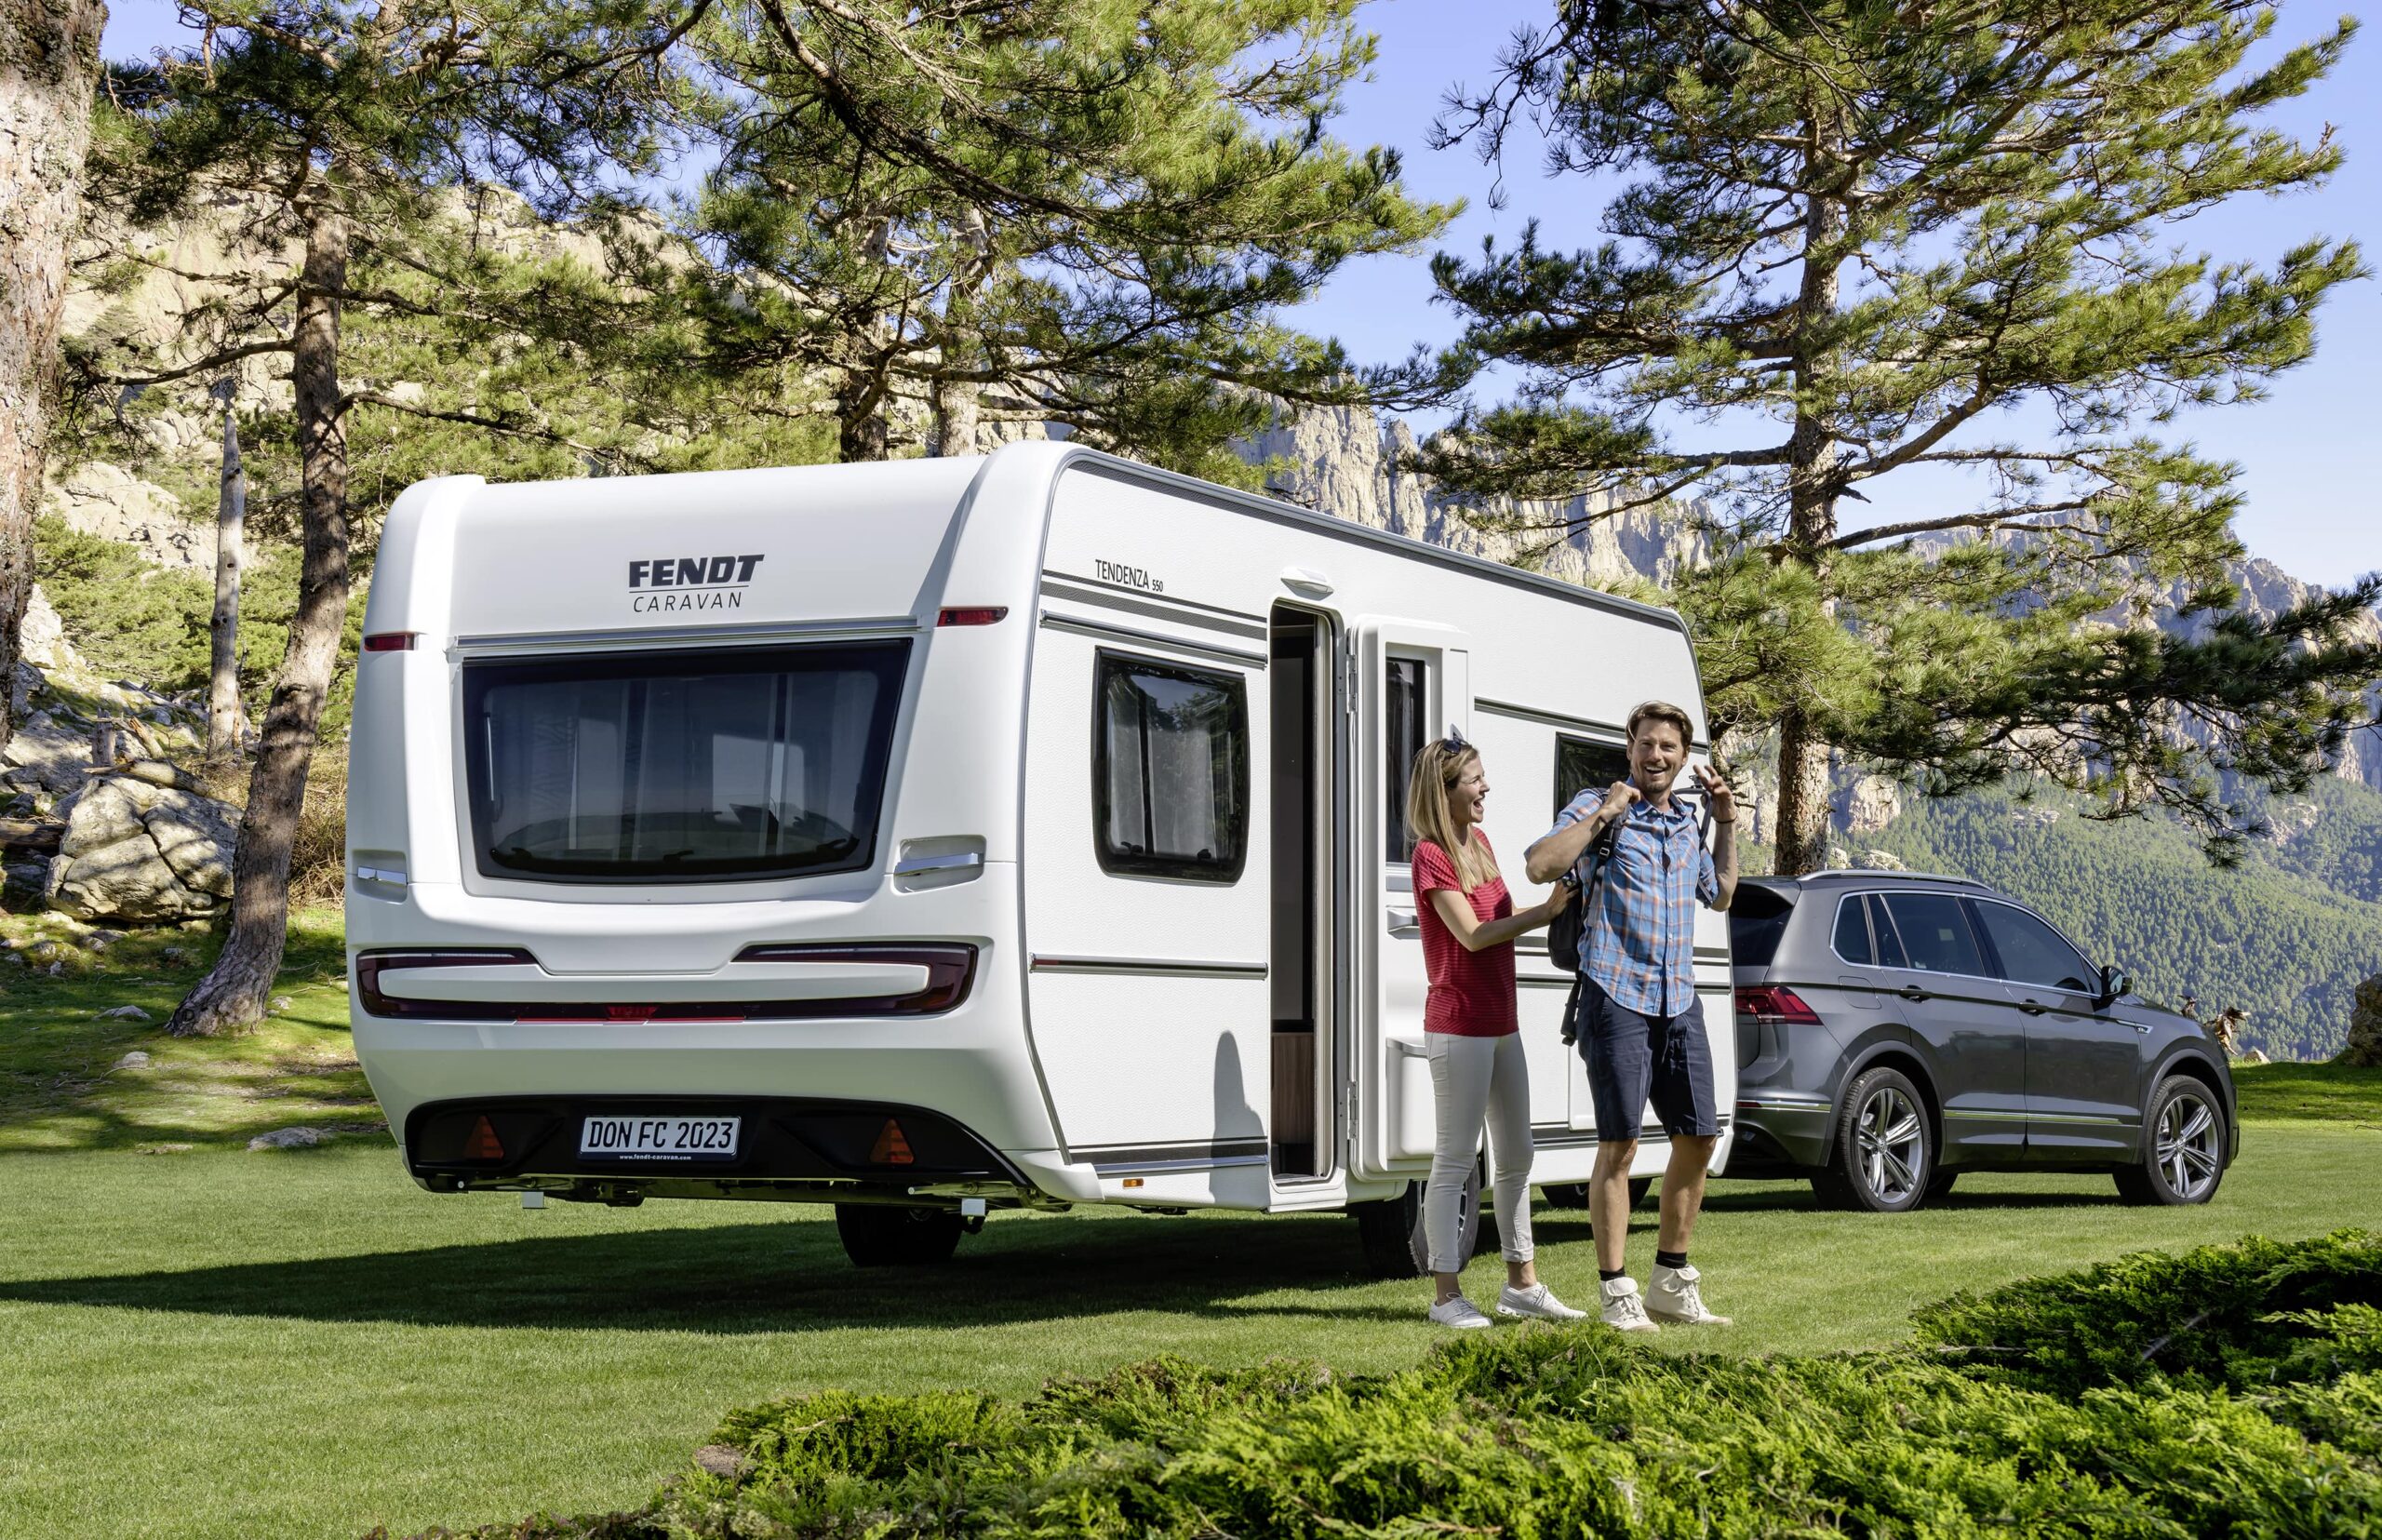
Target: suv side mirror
x,y
2114,982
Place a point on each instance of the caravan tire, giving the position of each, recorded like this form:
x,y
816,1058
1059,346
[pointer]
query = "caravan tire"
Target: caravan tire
x,y
879,1235
1574,1195
1391,1231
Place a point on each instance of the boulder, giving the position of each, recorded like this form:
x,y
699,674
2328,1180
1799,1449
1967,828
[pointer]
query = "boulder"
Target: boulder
x,y
126,1013
135,850
134,1060
1880,860
286,1139
2364,1050
45,754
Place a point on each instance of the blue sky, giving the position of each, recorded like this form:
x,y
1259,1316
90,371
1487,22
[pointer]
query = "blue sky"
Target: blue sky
x,y
2310,455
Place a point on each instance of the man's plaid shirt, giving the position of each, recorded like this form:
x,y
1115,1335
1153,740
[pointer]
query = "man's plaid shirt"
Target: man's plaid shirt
x,y
1640,944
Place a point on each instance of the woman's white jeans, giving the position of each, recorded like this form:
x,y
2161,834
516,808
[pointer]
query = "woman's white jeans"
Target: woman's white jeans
x,y
1473,1080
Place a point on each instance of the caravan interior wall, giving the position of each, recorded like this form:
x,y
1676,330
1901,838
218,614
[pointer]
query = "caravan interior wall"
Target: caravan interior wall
x,y
1022,828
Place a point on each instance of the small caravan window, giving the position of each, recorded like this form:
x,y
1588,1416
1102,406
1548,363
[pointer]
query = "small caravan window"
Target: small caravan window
x,y
1169,771
1581,763
1407,698
676,767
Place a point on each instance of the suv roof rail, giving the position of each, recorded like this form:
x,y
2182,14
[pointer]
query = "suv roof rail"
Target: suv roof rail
x,y
1863,874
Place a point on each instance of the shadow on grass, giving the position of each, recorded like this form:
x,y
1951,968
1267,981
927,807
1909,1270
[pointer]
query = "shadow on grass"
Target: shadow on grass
x,y
793,1276
790,1277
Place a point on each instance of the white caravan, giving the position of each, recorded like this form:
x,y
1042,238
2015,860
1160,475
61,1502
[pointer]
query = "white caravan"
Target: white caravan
x,y
946,835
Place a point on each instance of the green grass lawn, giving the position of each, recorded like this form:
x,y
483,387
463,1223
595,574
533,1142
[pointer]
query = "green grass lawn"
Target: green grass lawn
x,y
60,1089
195,1340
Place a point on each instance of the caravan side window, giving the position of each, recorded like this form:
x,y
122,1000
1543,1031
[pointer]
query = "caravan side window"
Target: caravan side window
x,y
1581,763
1169,771
1407,692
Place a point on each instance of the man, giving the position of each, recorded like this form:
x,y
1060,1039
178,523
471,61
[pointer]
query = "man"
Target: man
x,y
1642,1028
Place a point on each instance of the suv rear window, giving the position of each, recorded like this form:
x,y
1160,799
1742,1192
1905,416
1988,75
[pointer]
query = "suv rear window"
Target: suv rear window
x,y
1758,918
1935,933
681,767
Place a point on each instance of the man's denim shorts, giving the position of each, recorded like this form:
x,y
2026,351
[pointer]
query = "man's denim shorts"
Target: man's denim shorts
x,y
1634,1059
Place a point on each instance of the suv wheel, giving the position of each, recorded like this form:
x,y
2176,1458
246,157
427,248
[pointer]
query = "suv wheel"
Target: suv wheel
x,y
879,1235
1390,1230
2183,1146
1883,1162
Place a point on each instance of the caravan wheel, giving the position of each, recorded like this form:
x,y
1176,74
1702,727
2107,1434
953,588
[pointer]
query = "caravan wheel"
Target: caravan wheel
x,y
1391,1230
1574,1195
879,1235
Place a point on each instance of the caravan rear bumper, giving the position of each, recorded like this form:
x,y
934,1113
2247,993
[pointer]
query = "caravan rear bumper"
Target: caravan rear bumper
x,y
782,1147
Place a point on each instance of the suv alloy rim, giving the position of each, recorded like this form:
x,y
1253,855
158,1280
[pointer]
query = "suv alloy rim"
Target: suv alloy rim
x,y
2187,1148
1889,1136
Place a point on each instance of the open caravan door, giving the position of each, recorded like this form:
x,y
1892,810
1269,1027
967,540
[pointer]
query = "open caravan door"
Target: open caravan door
x,y
1413,682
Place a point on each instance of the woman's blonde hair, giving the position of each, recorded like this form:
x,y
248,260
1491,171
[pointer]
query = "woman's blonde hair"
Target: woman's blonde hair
x,y
1437,769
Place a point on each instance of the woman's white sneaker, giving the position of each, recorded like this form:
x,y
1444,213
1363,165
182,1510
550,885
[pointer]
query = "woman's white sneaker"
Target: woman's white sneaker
x,y
1460,1313
1538,1303
1676,1298
1623,1311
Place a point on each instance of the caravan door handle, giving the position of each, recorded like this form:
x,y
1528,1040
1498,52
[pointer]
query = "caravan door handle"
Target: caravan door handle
x,y
1402,921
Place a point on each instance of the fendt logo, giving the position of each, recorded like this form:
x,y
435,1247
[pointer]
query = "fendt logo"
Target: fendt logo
x,y
667,583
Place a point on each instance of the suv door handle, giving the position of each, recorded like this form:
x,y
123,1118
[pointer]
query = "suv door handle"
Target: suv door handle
x,y
2033,1008
1912,992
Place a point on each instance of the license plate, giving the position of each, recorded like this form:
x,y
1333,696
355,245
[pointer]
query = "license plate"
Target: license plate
x,y
658,1138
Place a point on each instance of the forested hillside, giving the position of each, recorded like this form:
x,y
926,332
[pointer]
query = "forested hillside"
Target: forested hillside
x,y
2286,936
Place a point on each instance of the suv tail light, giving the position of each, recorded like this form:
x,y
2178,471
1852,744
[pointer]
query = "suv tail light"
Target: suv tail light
x,y
1775,1003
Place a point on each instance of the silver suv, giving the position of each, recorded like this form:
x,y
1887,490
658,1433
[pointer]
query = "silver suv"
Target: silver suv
x,y
1894,1030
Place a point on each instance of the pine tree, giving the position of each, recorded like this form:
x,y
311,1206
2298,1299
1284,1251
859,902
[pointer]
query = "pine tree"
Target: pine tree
x,y
346,136
49,60
1061,210
1854,233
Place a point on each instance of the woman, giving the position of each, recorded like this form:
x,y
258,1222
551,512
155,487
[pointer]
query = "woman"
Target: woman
x,y
1476,1051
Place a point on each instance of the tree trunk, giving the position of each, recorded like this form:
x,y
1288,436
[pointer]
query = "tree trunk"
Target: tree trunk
x,y
1802,797
236,989
957,406
859,424
1801,843
224,625
50,63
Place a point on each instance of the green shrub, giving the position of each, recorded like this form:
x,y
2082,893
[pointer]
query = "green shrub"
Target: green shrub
x,y
2009,1417
2239,1315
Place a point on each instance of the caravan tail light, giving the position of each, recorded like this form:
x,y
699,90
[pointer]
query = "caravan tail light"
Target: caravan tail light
x,y
1775,1003
369,966
950,971
984,614
391,641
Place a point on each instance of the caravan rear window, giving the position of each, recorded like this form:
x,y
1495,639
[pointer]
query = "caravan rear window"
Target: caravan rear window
x,y
675,767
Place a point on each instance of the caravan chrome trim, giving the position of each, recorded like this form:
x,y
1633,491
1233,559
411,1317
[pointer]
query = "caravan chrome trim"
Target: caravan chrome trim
x,y
1171,967
1063,585
1103,630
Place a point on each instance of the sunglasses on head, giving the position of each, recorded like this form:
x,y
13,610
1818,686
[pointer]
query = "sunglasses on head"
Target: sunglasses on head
x,y
1453,743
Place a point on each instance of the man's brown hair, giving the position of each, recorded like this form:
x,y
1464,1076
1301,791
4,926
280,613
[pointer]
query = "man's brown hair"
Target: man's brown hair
x,y
1662,711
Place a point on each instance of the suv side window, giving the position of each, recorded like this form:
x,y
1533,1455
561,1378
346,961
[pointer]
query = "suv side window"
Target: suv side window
x,y
1853,930
1935,933
2031,952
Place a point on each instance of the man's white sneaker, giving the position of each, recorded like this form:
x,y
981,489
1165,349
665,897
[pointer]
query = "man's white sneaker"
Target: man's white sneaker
x,y
1676,1298
1623,1311
1538,1303
1460,1313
